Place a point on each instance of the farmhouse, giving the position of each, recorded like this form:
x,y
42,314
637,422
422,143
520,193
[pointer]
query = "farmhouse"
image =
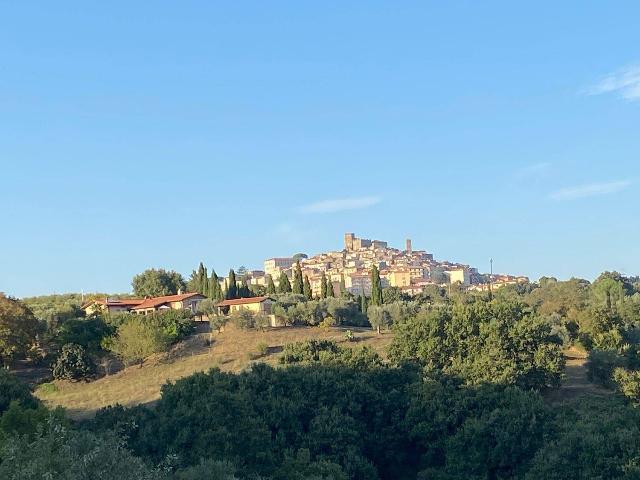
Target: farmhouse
x,y
182,301
110,305
255,304
143,306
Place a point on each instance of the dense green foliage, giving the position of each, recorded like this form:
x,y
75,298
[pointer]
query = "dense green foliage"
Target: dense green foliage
x,y
54,308
73,363
139,336
157,282
297,310
87,332
12,389
284,285
462,395
18,329
482,342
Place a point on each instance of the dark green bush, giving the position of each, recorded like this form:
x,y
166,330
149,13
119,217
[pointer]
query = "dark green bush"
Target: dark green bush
x,y
73,363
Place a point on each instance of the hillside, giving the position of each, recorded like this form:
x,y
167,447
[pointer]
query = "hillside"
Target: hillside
x,y
232,350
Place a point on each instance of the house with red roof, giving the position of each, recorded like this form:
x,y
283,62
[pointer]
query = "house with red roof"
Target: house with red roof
x,y
181,301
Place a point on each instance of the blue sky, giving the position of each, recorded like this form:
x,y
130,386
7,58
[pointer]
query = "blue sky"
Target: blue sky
x,y
159,134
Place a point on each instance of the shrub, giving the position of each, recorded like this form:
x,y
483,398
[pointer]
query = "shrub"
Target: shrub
x,y
601,365
73,363
327,323
86,332
218,322
13,389
628,382
309,351
243,318
349,336
261,321
137,339
263,349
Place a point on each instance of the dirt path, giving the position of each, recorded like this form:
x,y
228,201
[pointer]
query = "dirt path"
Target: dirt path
x,y
575,382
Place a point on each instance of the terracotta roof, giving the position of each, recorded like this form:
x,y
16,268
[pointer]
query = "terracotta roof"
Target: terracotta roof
x,y
242,301
114,302
157,301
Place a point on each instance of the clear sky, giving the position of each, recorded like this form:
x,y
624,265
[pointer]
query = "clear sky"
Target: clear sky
x,y
159,134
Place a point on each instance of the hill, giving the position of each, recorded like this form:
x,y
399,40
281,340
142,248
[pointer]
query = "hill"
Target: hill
x,y
232,350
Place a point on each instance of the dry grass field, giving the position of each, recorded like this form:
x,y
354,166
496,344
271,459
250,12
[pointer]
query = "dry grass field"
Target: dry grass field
x,y
232,350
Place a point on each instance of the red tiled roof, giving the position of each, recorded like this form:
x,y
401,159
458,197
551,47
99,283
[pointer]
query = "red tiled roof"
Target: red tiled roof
x,y
242,301
157,301
115,302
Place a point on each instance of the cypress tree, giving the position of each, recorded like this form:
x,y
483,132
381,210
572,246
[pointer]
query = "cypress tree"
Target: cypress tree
x,y
330,290
232,289
201,278
363,303
245,290
297,279
215,292
376,289
205,282
343,287
271,288
323,286
225,294
284,285
306,288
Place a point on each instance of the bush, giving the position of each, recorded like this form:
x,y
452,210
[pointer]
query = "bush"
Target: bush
x,y
263,349
349,336
243,318
601,365
174,324
628,381
261,321
73,363
217,322
60,453
87,332
137,339
12,389
309,351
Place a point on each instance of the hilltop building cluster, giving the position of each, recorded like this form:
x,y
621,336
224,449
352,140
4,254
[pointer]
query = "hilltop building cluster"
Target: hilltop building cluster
x,y
410,270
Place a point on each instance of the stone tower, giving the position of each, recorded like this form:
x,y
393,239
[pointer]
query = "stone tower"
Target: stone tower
x,y
349,238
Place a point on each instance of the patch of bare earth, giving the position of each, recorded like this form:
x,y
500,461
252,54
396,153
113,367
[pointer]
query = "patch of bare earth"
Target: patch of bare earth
x,y
232,350
575,382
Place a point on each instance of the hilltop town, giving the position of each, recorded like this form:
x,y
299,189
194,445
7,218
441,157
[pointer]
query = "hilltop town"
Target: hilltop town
x,y
410,270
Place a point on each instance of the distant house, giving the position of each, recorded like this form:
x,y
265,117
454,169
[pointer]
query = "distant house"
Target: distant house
x,y
182,301
110,305
260,305
255,304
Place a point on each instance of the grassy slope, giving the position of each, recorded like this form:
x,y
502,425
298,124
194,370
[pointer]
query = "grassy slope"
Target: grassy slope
x,y
232,351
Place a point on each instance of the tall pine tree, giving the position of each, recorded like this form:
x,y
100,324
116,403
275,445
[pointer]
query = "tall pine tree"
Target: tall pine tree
x,y
306,288
271,287
298,286
376,287
284,285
